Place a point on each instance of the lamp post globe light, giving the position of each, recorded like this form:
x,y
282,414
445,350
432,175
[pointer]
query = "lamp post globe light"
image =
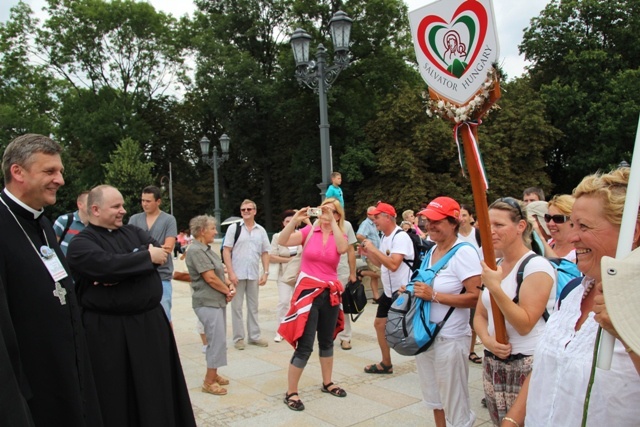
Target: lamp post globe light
x,y
215,161
319,76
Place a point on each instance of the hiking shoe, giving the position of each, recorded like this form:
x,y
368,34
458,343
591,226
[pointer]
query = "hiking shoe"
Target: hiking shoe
x,y
239,345
259,342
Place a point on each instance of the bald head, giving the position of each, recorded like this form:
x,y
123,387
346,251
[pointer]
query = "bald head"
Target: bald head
x,y
106,207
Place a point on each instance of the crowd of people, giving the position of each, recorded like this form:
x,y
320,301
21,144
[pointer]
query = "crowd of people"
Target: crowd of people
x,y
85,303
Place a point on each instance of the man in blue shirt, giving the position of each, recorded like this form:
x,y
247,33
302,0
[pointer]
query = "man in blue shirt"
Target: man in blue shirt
x,y
67,230
368,230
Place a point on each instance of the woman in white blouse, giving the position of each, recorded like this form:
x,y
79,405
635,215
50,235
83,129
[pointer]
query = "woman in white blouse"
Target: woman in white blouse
x,y
556,391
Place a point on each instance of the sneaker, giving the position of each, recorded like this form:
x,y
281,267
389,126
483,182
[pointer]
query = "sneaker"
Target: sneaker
x,y
204,348
239,345
277,338
259,342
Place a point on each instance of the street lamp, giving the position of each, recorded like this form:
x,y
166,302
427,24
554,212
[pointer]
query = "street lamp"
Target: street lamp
x,y
163,179
215,161
319,76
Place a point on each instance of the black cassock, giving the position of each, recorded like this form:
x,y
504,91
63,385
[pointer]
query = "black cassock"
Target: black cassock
x,y
133,351
44,355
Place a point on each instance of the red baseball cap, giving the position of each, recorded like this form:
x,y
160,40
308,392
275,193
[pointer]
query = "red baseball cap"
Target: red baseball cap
x,y
440,208
384,208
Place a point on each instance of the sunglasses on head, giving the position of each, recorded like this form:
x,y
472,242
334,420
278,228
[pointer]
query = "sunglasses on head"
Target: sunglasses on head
x,y
513,203
558,219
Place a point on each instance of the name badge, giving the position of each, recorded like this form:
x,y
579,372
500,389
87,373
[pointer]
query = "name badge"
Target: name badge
x,y
53,264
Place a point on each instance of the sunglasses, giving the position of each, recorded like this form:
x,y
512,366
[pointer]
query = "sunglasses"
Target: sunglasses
x,y
246,209
558,219
513,203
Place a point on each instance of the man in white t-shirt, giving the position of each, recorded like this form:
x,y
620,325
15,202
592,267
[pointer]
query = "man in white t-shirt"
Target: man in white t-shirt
x,y
396,249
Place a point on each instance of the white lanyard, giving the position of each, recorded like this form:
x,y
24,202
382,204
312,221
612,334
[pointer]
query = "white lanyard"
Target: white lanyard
x,y
48,258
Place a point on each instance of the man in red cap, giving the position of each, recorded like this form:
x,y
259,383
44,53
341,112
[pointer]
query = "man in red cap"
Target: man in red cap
x,y
395,248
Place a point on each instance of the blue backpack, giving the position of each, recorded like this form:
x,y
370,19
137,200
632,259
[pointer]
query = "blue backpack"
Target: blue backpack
x,y
566,272
408,330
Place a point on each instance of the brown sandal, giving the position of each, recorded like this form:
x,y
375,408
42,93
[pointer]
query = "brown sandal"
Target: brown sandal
x,y
222,380
214,388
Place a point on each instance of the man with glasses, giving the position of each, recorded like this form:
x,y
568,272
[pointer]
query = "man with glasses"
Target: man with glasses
x,y
395,247
242,259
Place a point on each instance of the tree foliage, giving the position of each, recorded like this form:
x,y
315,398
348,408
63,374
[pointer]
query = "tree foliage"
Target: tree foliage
x,y
95,73
586,59
128,172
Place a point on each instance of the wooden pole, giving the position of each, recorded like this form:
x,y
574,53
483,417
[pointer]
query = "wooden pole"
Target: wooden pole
x,y
480,202
482,216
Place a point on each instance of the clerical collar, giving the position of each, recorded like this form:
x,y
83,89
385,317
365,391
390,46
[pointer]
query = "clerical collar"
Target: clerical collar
x,y
36,214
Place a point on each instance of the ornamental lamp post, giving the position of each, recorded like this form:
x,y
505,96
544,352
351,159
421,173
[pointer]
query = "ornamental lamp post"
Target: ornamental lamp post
x,y
319,76
214,161
163,179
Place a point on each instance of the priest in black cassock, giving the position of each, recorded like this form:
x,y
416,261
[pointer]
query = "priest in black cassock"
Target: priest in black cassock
x,y
45,372
133,350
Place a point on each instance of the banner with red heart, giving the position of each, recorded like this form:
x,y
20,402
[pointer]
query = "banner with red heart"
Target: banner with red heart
x,y
455,43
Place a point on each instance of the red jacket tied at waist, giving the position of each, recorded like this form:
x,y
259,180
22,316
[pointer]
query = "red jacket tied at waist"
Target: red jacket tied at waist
x,y
306,291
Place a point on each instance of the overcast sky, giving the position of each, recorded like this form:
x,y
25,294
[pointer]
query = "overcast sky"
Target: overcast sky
x,y
512,16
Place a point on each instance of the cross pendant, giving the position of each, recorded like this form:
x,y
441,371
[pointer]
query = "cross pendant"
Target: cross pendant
x,y
60,293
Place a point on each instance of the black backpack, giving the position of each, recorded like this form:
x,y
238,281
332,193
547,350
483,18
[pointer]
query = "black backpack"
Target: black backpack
x,y
235,240
420,249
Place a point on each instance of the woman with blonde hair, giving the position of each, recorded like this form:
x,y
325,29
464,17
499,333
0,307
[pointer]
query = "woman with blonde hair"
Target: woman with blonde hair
x,y
315,305
558,221
560,378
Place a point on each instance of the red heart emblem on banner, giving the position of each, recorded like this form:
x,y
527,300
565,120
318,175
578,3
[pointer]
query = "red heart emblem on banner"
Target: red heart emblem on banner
x,y
451,46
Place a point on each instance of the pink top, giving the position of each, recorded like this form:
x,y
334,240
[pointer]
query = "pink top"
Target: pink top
x,y
318,260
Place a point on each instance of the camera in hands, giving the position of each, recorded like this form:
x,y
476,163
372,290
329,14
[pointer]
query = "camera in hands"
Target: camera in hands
x,y
314,212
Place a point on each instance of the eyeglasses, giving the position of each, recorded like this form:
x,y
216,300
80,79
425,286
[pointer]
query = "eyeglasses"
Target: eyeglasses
x,y
246,209
558,219
513,203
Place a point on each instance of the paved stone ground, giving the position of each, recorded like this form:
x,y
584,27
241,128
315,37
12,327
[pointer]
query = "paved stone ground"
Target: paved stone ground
x,y
259,377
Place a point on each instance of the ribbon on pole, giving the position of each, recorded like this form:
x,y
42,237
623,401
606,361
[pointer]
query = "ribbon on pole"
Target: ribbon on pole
x,y
475,150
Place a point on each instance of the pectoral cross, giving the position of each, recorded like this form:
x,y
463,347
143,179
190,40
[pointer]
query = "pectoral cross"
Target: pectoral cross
x,y
60,293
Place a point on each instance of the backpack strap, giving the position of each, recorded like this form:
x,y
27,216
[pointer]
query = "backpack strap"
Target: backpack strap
x,y
409,262
571,285
67,226
520,278
237,234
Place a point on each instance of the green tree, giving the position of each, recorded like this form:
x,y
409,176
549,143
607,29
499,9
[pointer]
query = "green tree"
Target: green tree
x,y
27,90
245,86
128,171
586,57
